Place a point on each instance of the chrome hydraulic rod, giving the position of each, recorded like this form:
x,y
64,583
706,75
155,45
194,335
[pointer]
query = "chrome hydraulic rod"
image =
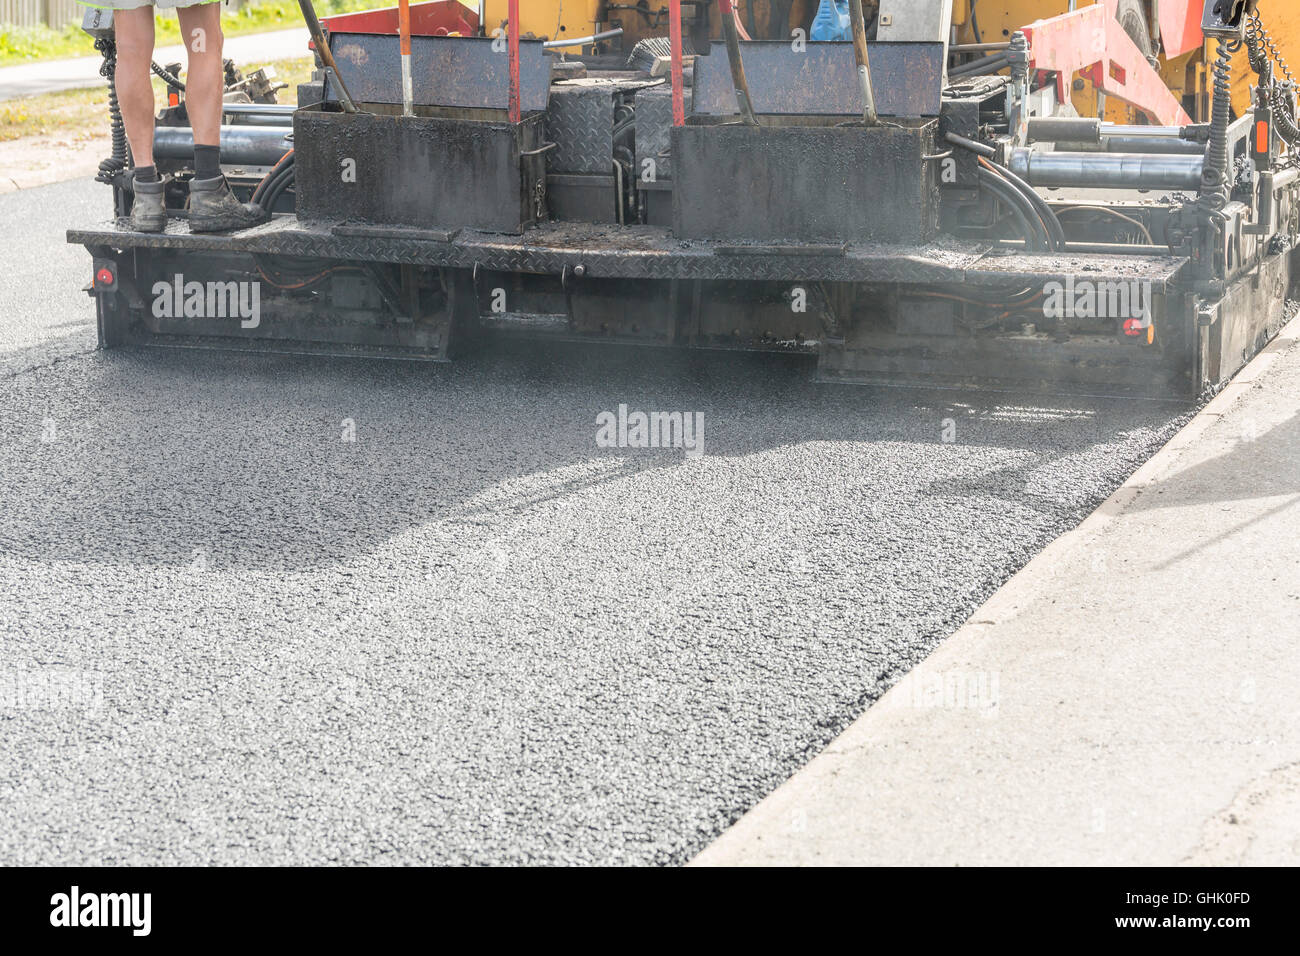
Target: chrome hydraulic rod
x,y
1107,170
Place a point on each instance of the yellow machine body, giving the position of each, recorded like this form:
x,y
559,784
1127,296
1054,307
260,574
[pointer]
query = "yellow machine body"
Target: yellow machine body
x,y
551,19
1186,75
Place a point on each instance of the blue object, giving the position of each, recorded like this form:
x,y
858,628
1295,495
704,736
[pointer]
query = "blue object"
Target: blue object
x,y
832,22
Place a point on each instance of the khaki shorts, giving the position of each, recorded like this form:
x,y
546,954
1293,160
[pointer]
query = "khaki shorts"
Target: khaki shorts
x,y
136,4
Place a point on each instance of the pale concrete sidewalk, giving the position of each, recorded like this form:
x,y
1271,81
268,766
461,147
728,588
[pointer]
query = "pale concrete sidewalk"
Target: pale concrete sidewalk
x,y
1131,697
50,76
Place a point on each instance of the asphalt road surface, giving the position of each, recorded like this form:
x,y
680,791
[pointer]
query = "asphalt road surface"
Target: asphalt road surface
x,y
470,635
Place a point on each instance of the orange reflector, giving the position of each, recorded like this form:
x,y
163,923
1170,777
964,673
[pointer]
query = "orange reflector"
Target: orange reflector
x,y
173,98
1262,137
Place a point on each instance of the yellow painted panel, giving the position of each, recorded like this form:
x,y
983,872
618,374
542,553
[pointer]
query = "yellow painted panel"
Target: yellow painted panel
x,y
544,18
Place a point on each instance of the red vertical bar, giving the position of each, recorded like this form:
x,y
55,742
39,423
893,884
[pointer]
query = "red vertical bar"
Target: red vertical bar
x,y
675,40
516,114
404,45
404,27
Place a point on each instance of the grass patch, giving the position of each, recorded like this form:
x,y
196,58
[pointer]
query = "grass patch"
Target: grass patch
x,y
29,44
80,113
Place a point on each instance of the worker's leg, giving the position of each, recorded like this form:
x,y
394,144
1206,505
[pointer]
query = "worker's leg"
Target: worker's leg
x,y
133,31
212,205
205,78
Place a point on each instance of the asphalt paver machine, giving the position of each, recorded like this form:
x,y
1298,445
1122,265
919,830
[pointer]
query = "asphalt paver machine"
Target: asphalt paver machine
x,y
903,203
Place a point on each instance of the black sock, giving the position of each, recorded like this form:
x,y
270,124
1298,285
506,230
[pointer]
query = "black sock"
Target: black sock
x,y
146,174
207,162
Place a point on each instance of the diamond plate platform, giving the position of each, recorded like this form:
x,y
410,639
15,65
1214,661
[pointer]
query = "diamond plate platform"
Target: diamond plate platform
x,y
649,252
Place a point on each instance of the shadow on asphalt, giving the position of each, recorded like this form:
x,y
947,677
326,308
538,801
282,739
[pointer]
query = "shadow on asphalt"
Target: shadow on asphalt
x,y
146,457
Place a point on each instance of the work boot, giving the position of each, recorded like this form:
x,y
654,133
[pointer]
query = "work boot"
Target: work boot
x,y
214,208
148,213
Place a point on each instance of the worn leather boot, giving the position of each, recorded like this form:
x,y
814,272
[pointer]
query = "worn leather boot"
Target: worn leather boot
x,y
148,214
214,208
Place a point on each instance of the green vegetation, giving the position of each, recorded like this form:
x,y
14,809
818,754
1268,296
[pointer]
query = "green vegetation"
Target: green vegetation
x,y
26,44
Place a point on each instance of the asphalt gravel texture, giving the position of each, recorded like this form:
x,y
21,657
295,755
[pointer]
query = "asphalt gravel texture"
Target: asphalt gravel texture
x,y
231,636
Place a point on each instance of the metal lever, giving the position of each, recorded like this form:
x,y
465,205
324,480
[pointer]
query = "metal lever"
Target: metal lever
x,y
864,66
404,42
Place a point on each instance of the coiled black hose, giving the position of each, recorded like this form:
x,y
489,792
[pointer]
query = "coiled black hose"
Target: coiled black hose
x,y
120,156
1262,53
1284,118
1215,191
1262,46
170,79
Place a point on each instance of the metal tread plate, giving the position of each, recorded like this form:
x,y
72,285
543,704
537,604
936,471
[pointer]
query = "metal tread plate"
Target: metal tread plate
x,y
580,121
457,72
650,252
822,79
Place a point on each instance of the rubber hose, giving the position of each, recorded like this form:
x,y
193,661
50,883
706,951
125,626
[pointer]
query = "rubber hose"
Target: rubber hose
x,y
273,187
275,170
277,189
1035,233
1215,191
120,155
981,67
170,79
1284,118
1045,212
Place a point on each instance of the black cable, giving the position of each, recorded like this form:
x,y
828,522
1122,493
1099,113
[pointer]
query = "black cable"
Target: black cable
x,y
1035,233
273,195
281,181
170,79
284,160
120,157
996,300
1283,116
264,186
1216,189
1055,230
1041,211
982,67
273,188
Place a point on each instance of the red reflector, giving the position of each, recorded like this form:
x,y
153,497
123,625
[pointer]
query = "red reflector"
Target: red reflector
x,y
1261,138
173,99
1133,327
104,277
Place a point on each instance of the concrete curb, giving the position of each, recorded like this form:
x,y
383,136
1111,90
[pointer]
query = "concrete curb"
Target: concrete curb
x,y
1159,466
845,758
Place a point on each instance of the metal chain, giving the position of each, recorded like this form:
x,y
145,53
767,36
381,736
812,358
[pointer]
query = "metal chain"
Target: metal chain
x,y
1256,32
1262,50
